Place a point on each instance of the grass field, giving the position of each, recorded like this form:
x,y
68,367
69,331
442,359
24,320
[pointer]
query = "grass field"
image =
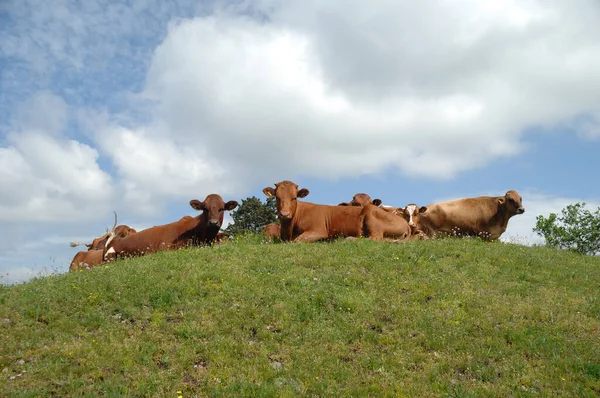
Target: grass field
x,y
450,317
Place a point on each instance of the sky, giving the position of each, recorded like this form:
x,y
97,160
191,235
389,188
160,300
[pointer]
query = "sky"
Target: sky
x,y
141,106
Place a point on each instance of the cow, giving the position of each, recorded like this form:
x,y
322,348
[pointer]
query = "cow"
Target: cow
x,y
484,216
271,231
88,259
93,256
309,222
361,199
412,215
202,229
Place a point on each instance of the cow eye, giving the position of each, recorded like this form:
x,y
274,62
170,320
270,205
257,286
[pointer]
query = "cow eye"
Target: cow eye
x,y
221,209
294,198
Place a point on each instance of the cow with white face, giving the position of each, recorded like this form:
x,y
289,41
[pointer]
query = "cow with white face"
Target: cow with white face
x,y
412,214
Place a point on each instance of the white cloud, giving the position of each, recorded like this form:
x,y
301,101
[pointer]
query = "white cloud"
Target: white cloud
x,y
355,88
154,167
49,179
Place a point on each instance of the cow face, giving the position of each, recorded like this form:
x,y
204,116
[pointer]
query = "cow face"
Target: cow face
x,y
286,194
513,202
411,214
214,208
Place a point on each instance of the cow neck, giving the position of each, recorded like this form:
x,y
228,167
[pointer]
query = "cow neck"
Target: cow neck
x,y
195,222
287,229
287,226
501,217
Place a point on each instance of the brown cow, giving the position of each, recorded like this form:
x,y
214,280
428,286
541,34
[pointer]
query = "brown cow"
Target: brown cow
x,y
202,229
271,231
309,222
361,199
484,216
88,259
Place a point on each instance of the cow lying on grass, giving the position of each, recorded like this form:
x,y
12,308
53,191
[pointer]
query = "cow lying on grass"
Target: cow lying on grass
x,y
309,222
202,229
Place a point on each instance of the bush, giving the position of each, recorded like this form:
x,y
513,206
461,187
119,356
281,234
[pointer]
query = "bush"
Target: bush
x,y
577,229
252,215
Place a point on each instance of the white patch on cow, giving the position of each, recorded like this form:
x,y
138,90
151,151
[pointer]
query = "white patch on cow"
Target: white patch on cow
x,y
110,239
411,210
109,251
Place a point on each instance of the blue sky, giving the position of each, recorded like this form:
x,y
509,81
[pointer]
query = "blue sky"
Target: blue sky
x,y
140,106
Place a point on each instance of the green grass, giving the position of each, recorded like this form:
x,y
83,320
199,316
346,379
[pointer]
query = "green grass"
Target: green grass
x,y
450,318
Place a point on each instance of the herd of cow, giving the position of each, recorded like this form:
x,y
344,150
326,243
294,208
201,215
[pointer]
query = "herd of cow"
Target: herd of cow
x,y
483,216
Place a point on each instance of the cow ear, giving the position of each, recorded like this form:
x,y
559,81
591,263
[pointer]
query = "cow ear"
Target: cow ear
x,y
232,204
196,204
344,204
303,193
423,209
502,200
376,202
269,191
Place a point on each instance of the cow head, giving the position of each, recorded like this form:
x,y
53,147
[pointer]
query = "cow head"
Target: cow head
x,y
214,208
123,230
411,214
361,199
286,193
512,202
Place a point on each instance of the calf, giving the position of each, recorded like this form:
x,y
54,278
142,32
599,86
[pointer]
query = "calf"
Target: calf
x,y
309,222
484,216
202,229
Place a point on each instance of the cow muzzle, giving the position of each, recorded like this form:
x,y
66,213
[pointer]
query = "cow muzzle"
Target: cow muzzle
x,y
520,210
213,222
285,215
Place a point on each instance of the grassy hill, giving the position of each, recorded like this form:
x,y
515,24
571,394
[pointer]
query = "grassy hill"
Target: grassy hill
x,y
449,317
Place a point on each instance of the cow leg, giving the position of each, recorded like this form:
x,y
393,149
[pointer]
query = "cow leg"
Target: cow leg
x,y
311,236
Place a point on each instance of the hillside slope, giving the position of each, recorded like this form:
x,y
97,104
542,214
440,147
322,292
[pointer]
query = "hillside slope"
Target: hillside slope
x,y
439,318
